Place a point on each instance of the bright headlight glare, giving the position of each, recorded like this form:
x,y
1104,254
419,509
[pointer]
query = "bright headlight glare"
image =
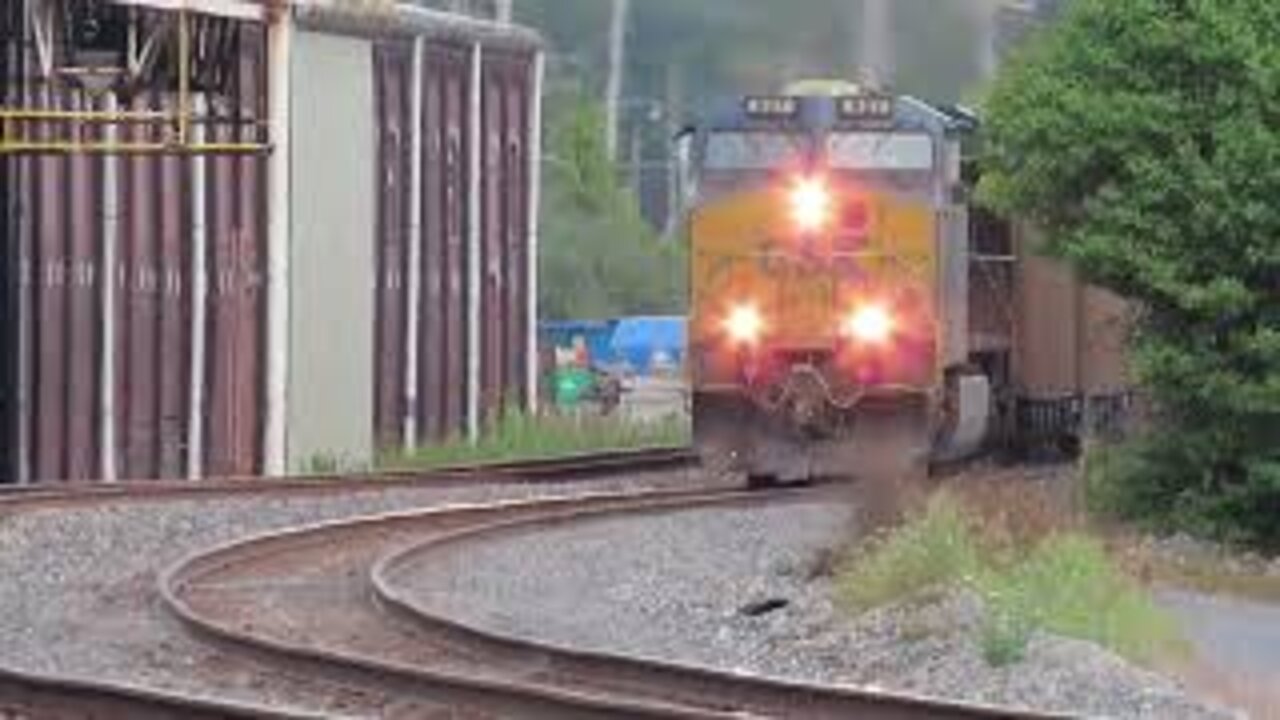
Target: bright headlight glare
x,y
810,204
744,324
870,324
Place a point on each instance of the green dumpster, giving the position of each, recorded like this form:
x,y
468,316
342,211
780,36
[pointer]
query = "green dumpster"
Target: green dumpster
x,y
571,385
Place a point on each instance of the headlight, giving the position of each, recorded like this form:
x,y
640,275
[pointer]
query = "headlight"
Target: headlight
x,y
870,325
810,204
744,324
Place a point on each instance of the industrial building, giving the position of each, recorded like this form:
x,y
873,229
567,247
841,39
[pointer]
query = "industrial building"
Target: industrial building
x,y
239,236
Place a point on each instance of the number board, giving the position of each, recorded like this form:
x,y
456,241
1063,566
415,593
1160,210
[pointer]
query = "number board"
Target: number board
x,y
771,107
866,108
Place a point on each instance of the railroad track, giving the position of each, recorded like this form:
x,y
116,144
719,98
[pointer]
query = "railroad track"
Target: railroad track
x,y
560,469
324,600
322,603
26,694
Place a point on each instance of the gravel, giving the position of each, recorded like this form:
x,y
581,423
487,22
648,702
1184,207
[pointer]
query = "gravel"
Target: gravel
x,y
735,589
78,596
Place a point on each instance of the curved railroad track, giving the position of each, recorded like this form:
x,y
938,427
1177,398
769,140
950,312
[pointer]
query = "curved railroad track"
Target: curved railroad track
x,y
323,600
28,694
587,466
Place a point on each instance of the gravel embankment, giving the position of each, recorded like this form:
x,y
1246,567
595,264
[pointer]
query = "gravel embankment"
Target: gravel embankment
x,y
78,598
674,587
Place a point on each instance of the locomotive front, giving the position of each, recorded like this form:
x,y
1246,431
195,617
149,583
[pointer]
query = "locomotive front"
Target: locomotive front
x,y
821,229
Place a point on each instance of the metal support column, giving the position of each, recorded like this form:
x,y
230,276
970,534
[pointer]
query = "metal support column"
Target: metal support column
x,y
474,210
413,314
533,214
279,54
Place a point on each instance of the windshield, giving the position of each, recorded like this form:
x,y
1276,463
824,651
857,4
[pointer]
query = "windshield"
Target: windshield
x,y
752,150
879,151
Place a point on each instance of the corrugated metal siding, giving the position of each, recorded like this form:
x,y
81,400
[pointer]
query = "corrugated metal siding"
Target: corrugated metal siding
x,y
392,75
442,351
138,338
84,337
65,215
442,314
504,294
48,253
237,229
10,23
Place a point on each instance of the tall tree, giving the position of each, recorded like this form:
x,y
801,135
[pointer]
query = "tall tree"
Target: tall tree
x,y
599,258
1143,137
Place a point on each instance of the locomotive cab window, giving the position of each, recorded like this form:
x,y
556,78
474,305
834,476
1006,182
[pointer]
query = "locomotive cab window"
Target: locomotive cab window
x,y
744,150
879,151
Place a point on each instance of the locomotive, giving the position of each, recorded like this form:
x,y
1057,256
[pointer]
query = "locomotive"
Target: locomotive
x,y
828,330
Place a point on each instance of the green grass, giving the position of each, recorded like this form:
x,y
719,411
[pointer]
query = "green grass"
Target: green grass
x,y
1068,585
934,551
1064,583
519,436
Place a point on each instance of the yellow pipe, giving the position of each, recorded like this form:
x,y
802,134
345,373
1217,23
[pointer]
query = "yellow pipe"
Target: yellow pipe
x,y
100,116
13,148
83,115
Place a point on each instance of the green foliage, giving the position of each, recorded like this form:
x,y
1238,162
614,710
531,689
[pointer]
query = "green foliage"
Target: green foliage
x,y
1007,628
1142,137
321,464
1063,583
1156,481
1067,585
324,464
934,551
599,257
520,436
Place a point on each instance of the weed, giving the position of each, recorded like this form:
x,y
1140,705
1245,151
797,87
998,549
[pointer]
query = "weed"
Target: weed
x,y
517,436
936,548
1068,585
1007,627
1031,569
325,464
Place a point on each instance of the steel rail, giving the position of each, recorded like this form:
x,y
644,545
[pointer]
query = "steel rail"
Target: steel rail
x,y
567,682
37,695
505,696
585,466
28,695
755,694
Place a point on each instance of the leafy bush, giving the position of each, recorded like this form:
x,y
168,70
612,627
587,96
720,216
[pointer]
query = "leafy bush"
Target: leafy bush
x,y
1061,582
1140,136
1157,482
599,257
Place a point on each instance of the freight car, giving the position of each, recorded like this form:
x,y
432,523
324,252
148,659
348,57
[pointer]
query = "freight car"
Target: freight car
x,y
848,308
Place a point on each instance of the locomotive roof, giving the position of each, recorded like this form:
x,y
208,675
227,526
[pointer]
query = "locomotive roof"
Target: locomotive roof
x,y
821,112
